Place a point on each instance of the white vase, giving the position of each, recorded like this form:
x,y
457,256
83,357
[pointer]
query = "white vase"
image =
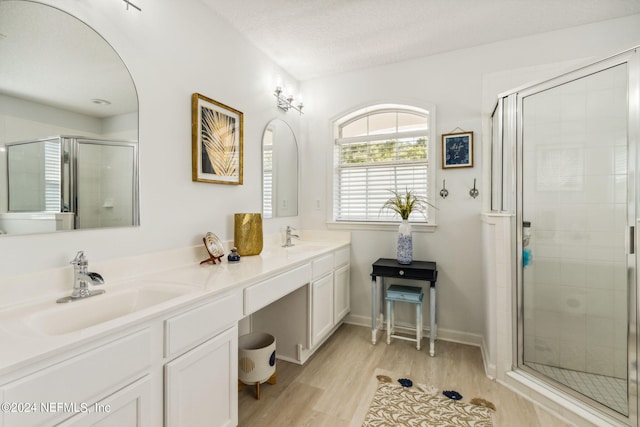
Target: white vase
x,y
405,243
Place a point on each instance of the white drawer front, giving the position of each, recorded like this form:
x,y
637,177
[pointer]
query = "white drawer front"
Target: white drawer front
x,y
342,257
270,290
322,266
83,379
200,323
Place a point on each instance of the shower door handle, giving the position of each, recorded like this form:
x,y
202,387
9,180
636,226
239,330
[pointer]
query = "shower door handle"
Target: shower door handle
x,y
632,240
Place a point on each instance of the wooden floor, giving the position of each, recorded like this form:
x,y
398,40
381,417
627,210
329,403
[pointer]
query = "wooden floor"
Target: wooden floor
x,y
328,390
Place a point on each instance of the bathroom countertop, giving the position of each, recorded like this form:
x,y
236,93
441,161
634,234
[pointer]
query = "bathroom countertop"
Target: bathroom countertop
x,y
23,345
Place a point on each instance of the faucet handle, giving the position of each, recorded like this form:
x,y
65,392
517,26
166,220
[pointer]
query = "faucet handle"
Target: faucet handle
x,y
96,279
79,260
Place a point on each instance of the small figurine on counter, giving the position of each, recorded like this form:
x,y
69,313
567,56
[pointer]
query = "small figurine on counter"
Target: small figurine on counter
x,y
233,256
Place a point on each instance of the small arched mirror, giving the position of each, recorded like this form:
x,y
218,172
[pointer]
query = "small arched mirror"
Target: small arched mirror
x,y
68,125
279,171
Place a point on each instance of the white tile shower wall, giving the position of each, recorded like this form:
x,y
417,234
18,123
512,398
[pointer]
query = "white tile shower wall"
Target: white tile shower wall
x,y
111,204
575,180
116,204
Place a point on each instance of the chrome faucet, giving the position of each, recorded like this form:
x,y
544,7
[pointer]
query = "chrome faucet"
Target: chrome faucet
x,y
81,280
288,243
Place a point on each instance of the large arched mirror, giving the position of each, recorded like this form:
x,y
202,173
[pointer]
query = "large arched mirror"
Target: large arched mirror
x,y
279,170
68,125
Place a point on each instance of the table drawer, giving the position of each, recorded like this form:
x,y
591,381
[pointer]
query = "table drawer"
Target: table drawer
x,y
404,272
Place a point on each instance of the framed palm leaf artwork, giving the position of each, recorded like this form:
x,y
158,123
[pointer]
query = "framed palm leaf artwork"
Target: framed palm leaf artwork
x,y
216,141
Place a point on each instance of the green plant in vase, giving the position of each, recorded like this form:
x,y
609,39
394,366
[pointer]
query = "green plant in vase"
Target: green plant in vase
x,y
404,204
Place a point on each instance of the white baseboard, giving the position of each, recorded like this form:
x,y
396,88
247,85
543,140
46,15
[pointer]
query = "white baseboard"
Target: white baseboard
x,y
354,319
490,369
443,334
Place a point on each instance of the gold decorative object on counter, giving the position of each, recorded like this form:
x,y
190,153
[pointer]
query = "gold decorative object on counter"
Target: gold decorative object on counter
x,y
247,233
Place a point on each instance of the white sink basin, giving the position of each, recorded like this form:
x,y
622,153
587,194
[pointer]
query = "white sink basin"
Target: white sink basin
x,y
305,248
74,316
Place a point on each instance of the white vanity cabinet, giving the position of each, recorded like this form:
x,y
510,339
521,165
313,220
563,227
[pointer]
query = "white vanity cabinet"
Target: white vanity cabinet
x,y
321,309
174,364
201,386
176,369
201,380
341,285
330,290
95,384
322,319
303,319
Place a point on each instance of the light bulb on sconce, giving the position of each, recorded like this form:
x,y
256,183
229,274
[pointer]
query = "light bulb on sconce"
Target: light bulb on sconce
x,y
285,101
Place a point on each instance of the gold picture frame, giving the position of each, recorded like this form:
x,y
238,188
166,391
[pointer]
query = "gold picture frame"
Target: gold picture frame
x,y
216,141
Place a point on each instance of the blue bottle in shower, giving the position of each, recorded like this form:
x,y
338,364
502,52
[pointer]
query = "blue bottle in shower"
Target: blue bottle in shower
x,y
527,256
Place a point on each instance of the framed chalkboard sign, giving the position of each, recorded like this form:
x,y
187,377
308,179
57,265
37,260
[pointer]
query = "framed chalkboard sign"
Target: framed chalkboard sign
x,y
457,150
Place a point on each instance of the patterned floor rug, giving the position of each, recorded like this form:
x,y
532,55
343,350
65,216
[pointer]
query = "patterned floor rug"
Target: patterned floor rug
x,y
418,405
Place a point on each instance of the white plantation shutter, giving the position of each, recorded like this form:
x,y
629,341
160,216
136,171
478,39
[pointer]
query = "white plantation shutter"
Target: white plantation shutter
x,y
376,152
52,177
363,190
267,181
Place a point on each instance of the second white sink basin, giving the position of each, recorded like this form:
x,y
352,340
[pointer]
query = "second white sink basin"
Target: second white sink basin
x,y
305,248
69,317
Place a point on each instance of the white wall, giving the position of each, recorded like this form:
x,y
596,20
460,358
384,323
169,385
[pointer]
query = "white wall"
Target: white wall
x,y
172,50
22,120
454,82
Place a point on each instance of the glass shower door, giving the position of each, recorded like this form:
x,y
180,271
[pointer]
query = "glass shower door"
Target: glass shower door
x,y
575,234
106,184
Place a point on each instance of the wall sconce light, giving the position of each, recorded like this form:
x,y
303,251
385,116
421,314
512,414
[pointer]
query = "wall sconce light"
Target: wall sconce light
x,y
285,102
132,5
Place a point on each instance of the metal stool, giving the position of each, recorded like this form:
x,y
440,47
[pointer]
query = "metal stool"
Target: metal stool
x,y
411,294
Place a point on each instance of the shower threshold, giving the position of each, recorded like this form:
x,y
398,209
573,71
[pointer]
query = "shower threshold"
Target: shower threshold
x,y
609,391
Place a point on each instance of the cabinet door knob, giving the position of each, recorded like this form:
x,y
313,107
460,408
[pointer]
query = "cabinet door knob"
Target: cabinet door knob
x,y
402,272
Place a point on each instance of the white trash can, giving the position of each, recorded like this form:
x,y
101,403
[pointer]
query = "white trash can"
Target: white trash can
x,y
257,359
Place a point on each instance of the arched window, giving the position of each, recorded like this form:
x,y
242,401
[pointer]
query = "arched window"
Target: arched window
x,y
378,149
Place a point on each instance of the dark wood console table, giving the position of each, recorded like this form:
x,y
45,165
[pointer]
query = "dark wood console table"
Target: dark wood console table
x,y
417,270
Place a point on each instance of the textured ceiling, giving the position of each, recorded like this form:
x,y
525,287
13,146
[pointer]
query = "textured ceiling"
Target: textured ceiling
x,y
313,38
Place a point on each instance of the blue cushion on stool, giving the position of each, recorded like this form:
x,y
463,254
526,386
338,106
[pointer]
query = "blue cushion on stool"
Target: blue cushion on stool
x,y
405,293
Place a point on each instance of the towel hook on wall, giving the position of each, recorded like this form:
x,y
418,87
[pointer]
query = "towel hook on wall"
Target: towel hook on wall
x,y
444,192
474,191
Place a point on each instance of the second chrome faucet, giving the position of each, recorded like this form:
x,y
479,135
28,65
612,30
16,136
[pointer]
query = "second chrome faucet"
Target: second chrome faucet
x,y
288,236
